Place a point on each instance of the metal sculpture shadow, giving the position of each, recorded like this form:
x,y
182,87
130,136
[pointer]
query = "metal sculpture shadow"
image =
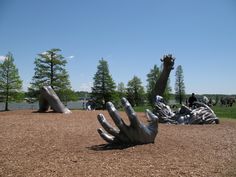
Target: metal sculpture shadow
x,y
134,134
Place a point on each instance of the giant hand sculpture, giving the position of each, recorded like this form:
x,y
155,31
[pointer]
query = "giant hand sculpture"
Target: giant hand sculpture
x,y
49,98
135,133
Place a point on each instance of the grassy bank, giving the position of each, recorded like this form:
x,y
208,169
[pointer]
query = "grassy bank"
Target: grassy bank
x,y
225,112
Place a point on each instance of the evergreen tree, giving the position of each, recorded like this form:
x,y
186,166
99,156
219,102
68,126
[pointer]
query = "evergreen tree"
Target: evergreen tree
x,y
50,71
135,92
103,89
179,85
152,77
121,90
10,82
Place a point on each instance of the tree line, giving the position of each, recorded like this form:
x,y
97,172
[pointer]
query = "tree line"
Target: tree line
x,y
50,70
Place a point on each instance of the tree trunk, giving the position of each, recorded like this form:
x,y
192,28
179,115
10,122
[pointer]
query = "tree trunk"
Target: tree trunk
x,y
6,102
52,71
6,106
7,91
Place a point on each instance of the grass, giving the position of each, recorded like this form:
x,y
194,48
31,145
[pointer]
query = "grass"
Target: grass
x,y
142,108
225,112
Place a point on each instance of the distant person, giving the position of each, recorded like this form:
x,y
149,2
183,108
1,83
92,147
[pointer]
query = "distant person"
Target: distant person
x,y
88,106
83,105
191,100
210,103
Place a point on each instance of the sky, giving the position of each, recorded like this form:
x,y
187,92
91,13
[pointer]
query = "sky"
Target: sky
x,y
131,35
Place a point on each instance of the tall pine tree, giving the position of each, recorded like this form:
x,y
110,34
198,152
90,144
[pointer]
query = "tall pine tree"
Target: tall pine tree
x,y
135,91
121,90
152,77
179,85
10,82
50,71
103,89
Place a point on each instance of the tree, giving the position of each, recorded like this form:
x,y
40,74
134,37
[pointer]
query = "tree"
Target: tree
x,y
103,89
50,71
135,91
152,78
121,90
179,85
10,82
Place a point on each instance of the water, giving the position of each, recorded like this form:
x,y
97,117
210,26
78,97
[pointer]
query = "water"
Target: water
x,y
35,106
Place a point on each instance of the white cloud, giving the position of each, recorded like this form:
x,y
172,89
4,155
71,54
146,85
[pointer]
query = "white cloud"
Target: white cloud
x,y
70,57
2,58
86,87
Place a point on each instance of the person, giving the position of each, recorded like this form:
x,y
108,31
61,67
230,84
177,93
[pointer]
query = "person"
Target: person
x,y
191,100
88,106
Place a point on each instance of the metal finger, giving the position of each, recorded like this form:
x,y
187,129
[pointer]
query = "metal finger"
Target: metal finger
x,y
116,117
153,123
151,116
107,126
105,136
130,112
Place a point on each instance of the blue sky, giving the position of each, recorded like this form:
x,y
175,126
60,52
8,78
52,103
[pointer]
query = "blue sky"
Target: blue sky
x,y
132,35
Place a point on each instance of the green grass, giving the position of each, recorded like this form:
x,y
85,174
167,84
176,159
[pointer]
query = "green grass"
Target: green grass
x,y
142,108
225,112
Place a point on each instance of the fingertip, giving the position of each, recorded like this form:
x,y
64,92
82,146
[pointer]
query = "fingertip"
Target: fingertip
x,y
123,100
100,131
150,115
109,105
100,117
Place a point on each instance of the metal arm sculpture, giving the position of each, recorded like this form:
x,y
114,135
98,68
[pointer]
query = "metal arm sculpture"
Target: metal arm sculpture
x,y
48,98
200,114
135,133
160,85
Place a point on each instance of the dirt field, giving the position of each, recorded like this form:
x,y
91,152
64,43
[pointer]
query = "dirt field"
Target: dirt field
x,y
51,144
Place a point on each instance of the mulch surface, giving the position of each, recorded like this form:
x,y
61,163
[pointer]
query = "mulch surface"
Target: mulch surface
x,y
52,144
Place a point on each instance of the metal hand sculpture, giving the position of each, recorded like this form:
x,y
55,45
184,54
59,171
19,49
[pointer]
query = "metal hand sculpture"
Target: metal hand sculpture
x,y
49,98
201,114
135,133
161,83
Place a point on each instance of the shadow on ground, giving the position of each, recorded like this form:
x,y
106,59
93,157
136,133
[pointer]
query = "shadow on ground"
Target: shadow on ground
x,y
105,147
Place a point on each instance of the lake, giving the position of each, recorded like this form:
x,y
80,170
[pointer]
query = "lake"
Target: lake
x,y
35,106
